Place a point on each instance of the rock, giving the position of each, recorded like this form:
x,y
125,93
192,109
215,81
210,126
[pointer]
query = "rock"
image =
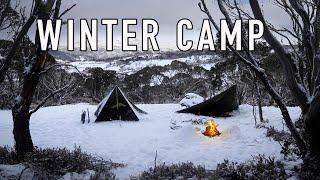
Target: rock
x,y
16,171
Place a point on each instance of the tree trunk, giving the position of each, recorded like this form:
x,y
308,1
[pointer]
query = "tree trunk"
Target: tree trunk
x,y
21,110
285,114
260,104
312,127
21,131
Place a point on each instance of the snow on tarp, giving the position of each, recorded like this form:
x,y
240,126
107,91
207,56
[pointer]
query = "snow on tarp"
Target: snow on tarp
x,y
191,99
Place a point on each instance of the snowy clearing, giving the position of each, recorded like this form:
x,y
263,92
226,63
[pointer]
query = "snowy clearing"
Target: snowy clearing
x,y
136,143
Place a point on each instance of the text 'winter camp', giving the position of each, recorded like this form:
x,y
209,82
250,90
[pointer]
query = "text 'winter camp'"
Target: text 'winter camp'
x,y
49,33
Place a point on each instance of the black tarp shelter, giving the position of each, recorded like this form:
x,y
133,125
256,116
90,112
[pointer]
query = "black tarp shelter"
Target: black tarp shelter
x,y
115,106
218,105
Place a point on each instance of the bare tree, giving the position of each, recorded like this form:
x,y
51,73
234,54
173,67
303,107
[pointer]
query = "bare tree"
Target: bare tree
x,y
300,67
35,66
58,80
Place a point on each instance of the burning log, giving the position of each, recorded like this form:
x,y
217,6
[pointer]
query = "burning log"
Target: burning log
x,y
211,129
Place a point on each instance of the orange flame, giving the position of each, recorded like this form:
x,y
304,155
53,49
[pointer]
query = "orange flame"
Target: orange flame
x,y
211,129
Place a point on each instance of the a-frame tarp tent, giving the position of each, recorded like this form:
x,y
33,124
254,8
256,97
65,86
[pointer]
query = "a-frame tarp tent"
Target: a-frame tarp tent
x,y
115,106
218,105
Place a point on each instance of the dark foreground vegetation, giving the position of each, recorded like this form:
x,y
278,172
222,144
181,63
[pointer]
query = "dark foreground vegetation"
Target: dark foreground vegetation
x,y
54,163
259,167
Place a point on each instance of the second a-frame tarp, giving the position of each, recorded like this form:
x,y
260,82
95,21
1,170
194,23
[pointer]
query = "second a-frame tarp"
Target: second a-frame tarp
x,y
218,105
115,106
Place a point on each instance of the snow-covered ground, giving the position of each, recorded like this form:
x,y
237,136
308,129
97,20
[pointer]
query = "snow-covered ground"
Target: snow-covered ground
x,y
172,135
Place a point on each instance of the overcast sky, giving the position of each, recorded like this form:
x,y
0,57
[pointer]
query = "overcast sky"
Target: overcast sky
x,y
166,12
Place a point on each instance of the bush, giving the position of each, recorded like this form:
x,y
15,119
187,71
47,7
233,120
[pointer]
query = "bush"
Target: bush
x,y
310,169
175,171
286,141
57,162
259,167
8,156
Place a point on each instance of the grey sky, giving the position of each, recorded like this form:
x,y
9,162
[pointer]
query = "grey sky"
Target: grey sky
x,y
166,12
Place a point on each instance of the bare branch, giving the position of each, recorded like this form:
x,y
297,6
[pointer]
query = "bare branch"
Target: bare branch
x,y
52,94
284,57
67,10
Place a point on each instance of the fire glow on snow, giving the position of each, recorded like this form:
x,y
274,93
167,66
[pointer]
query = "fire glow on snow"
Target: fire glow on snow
x,y
211,129
135,143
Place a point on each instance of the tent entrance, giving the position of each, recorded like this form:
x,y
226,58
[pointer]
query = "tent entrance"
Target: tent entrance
x,y
116,107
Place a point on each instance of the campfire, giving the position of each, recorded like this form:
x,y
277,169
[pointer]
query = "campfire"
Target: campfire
x,y
211,129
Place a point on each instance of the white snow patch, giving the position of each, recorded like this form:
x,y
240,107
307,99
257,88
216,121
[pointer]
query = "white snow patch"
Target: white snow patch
x,y
18,99
27,69
156,80
20,171
170,73
85,175
17,171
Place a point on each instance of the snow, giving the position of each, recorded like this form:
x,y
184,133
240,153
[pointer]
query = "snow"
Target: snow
x,y
129,67
170,73
191,99
27,69
17,171
86,175
18,99
20,171
135,143
156,80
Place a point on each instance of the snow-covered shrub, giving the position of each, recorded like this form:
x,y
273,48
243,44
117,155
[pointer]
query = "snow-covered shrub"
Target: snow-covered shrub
x,y
259,167
191,99
55,163
175,171
7,155
288,145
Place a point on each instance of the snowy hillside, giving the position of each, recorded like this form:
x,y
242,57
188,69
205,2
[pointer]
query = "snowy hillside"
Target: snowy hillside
x,y
125,66
175,137
131,62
